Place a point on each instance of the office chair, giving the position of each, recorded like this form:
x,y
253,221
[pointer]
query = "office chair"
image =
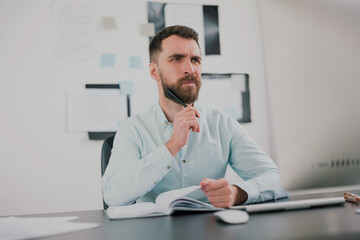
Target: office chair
x,y
105,156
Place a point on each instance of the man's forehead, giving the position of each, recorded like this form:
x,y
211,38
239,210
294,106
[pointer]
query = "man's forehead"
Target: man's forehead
x,y
180,45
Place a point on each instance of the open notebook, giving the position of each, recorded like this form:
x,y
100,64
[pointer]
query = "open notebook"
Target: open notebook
x,y
165,204
179,200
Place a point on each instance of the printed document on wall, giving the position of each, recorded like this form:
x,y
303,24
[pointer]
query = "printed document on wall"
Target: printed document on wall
x,y
227,92
74,25
187,15
217,93
96,110
204,19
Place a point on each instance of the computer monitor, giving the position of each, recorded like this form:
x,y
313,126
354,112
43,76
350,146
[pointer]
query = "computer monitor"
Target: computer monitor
x,y
321,147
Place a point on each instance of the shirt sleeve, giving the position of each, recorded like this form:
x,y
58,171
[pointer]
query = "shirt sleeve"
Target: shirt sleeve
x,y
129,175
261,175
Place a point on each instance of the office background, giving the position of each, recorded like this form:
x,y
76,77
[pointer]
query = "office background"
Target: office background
x,y
285,46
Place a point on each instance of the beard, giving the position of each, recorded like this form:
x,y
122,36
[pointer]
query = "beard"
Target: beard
x,y
188,94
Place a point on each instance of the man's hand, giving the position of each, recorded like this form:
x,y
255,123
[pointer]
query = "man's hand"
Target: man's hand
x,y
184,121
221,193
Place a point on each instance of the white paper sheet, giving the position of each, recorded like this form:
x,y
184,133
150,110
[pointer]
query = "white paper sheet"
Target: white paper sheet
x,y
74,30
147,29
144,209
166,198
29,228
96,110
109,23
220,94
238,82
188,15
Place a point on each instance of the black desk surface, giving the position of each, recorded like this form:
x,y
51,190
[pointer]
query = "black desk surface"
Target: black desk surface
x,y
336,222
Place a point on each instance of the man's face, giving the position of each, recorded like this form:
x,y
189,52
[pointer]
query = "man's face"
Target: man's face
x,y
179,66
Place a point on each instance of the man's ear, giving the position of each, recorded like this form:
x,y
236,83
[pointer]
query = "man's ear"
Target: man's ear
x,y
154,72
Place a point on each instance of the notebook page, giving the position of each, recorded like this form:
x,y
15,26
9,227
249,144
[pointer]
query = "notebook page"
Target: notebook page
x,y
166,198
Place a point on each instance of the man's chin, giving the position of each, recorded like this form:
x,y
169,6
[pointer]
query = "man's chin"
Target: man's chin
x,y
189,84
190,100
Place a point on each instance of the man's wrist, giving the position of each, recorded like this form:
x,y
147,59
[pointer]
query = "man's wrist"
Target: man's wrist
x,y
173,149
240,195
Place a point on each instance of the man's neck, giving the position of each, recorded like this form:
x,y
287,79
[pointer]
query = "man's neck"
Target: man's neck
x,y
170,108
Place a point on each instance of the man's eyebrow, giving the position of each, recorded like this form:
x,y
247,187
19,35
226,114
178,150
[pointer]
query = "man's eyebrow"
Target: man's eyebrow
x,y
196,57
176,55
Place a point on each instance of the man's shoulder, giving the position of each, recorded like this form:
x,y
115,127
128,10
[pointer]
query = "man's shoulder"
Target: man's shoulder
x,y
213,113
218,119
137,120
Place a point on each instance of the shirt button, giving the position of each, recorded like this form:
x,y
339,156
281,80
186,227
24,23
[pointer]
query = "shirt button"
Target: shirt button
x,y
155,183
184,161
168,167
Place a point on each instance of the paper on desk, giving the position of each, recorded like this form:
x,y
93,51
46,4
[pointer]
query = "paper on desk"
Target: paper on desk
x,y
29,228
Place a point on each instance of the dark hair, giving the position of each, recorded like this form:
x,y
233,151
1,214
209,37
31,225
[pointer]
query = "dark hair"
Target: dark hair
x,y
181,31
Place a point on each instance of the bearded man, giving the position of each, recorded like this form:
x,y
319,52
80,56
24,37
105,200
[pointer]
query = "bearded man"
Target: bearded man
x,y
171,146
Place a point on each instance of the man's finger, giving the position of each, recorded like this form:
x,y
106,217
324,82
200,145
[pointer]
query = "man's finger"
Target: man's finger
x,y
194,126
219,199
198,127
204,182
191,122
189,113
197,114
219,192
215,184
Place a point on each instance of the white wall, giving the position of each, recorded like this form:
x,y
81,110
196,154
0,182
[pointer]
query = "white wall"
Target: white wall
x,y
312,67
45,168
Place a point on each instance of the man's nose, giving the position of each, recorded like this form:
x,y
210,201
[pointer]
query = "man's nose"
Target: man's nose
x,y
189,68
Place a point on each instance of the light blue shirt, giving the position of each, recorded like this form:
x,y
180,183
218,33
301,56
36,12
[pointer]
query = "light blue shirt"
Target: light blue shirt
x,y
141,167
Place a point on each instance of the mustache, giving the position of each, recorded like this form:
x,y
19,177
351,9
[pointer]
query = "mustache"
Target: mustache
x,y
190,78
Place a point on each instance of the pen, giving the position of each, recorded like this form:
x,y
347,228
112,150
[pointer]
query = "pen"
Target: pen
x,y
175,97
351,197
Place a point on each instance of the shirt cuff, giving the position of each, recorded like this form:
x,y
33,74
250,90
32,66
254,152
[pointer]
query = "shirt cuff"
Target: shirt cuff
x,y
166,162
250,189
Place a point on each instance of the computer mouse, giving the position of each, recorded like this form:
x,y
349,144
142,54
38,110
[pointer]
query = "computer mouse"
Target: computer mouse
x,y
233,216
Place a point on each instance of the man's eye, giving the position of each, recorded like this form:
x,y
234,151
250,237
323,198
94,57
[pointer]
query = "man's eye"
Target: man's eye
x,y
196,60
175,59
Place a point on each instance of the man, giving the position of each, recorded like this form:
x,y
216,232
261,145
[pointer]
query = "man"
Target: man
x,y
171,146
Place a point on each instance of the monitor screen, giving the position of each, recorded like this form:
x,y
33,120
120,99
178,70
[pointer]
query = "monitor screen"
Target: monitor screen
x,y
312,63
321,145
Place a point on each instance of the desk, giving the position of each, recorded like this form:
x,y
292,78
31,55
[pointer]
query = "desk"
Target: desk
x,y
339,222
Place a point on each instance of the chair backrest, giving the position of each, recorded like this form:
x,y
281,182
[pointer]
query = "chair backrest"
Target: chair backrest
x,y
105,156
